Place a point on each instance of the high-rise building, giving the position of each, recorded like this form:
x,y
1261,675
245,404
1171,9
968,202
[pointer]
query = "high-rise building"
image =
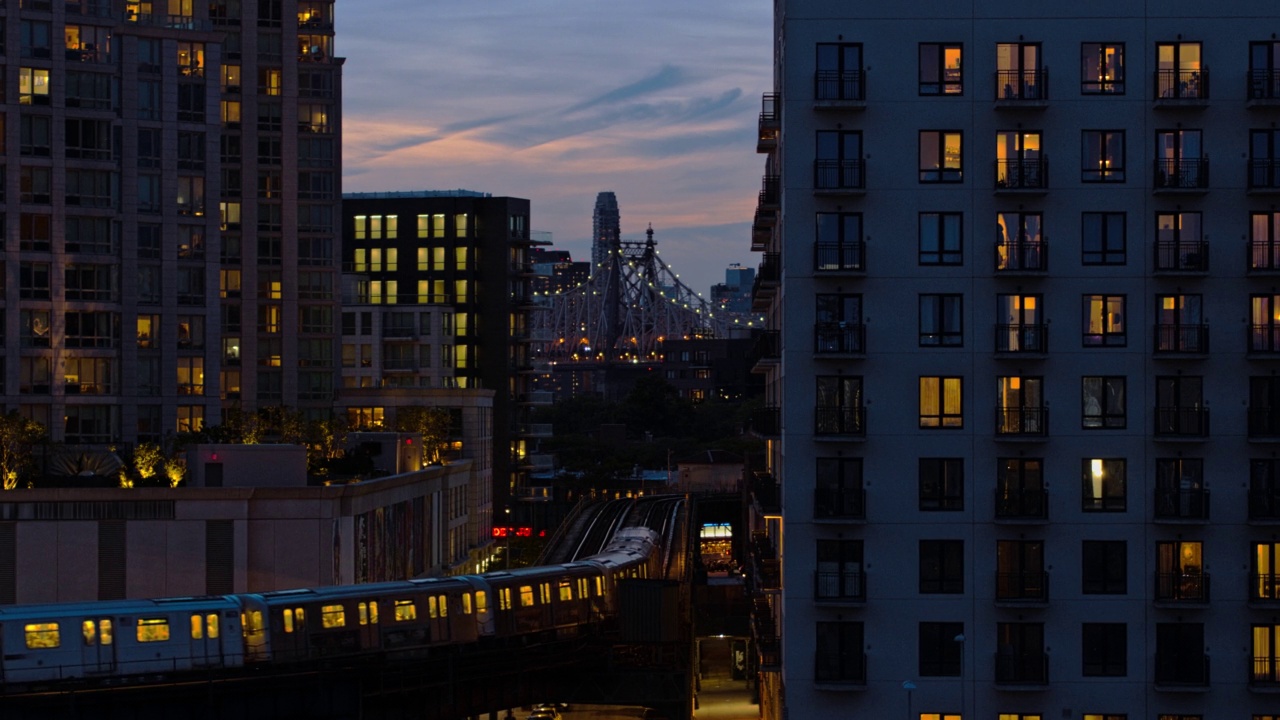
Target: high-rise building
x,y
606,229
168,157
994,453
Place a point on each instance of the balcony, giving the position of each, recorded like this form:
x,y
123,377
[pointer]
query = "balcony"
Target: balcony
x,y
1183,422
765,287
1022,587
1022,88
839,504
842,587
762,232
767,422
1189,257
766,351
1264,589
764,493
1263,177
1023,339
1264,423
843,670
1181,175
1029,668
1263,88
1031,423
831,258
1181,88
536,430
1264,672
1027,255
1022,176
838,339
770,193
1182,588
1264,503
1182,339
1015,504
770,122
839,422
1182,505
764,631
839,177
764,558
839,90
1263,258
1181,671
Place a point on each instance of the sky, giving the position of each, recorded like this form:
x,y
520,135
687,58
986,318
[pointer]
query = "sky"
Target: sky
x,y
557,100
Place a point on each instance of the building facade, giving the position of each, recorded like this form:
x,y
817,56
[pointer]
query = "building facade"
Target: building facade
x,y
994,371
169,231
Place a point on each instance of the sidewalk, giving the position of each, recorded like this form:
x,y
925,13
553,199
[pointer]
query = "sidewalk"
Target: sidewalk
x,y
723,698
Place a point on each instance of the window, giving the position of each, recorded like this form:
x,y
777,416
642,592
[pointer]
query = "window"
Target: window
x,y
92,235
1180,161
92,329
942,566
33,280
1020,325
1018,73
333,616
1104,567
1103,485
941,238
839,574
1265,575
1179,324
940,72
1020,491
838,409
839,72
1102,238
42,636
838,656
1103,402
148,99
35,38
941,402
89,90
1180,242
1020,571
35,134
1178,72
839,242
152,630
941,321
1020,242
1265,665
1101,68
1104,649
1104,321
33,86
1102,156
941,484
35,232
839,161
1020,656
1264,406
1264,70
1264,242
939,650
1180,491
940,156
1180,572
1018,160
838,492
1020,406
1180,656
1264,159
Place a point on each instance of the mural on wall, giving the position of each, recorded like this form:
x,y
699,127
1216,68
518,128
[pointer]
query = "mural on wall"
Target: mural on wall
x,y
391,542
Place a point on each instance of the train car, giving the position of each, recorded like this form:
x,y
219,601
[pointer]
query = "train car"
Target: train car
x,y
118,638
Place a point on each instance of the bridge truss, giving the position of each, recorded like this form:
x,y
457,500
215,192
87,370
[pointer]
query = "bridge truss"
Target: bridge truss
x,y
631,304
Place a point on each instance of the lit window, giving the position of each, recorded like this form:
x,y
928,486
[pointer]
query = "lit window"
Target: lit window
x,y
940,156
940,72
42,636
152,630
1101,71
526,596
333,616
405,610
941,402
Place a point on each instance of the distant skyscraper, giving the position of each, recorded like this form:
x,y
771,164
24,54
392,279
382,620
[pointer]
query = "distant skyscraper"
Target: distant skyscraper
x,y
606,228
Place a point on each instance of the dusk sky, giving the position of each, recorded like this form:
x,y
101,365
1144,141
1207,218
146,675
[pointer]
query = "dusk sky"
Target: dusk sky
x,y
556,100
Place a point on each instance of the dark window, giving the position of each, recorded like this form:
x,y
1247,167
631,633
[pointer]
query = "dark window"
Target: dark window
x,y
839,492
838,163
838,327
839,75
839,573
942,566
940,71
1264,70
1264,159
1180,491
941,157
941,238
1104,567
941,484
1102,156
941,320
1020,656
1020,571
1104,649
838,410
1180,408
839,656
1020,490
1103,402
1102,238
1180,657
1103,485
1102,68
839,242
939,650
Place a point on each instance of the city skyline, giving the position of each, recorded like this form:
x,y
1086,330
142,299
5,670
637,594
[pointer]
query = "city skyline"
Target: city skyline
x,y
668,127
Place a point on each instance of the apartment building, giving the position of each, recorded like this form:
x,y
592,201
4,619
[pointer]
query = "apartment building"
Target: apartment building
x,y
162,157
1021,262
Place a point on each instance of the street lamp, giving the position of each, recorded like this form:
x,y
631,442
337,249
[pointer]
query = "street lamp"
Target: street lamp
x,y
959,639
908,686
507,532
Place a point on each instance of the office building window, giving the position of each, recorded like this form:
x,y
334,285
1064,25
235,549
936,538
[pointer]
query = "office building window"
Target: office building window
x,y
1103,401
940,71
942,566
1102,156
941,484
1103,485
939,649
1104,567
1104,649
941,320
941,402
941,238
1101,68
941,159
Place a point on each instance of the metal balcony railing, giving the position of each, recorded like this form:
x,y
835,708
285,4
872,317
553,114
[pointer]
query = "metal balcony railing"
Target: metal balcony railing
x,y
1022,85
1025,421
1027,254
1022,586
1182,669
1187,256
1181,174
1264,175
1182,338
848,585
1187,421
839,256
1182,587
1022,338
839,420
1022,503
839,338
1182,504
1263,85
839,504
836,175
1028,668
1264,422
1022,174
1182,84
839,85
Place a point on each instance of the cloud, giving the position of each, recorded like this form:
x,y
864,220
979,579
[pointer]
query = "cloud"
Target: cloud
x,y
668,76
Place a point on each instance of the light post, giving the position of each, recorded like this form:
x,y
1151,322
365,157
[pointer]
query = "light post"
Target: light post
x,y
908,686
959,639
507,532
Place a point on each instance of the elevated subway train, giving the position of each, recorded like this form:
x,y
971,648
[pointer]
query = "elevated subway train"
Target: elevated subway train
x,y
118,639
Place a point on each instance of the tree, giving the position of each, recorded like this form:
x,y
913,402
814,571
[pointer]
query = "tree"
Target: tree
x,y
17,436
326,441
148,458
434,424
